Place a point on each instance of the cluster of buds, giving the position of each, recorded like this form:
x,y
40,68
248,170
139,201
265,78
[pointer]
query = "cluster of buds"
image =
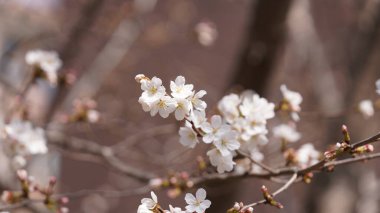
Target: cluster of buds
x,y
84,110
340,147
240,208
177,182
345,146
269,198
31,191
27,186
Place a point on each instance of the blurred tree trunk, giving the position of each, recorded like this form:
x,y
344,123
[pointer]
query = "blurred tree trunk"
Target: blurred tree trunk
x,y
263,42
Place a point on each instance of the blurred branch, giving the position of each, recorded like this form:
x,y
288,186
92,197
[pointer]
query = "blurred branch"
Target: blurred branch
x,y
105,152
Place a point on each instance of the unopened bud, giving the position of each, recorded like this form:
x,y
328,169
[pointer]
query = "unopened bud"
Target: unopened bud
x,y
237,206
346,134
7,196
139,77
52,181
64,200
22,174
364,149
155,182
249,210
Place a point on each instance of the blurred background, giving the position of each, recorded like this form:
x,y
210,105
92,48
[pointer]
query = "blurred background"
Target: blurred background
x,y
327,50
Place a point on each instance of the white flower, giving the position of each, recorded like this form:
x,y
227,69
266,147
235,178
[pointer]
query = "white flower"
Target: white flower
x,y
153,90
196,101
215,129
180,89
198,203
228,107
256,109
307,155
175,210
188,137
198,118
206,32
183,108
143,209
293,98
366,108
48,61
18,162
286,132
164,106
147,204
223,163
378,86
93,116
252,145
31,140
227,143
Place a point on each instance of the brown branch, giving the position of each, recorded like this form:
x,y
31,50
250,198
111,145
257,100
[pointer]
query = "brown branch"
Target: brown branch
x,y
277,192
263,166
372,139
104,152
80,193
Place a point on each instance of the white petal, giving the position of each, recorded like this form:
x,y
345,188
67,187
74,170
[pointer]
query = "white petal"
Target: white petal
x,y
201,194
190,199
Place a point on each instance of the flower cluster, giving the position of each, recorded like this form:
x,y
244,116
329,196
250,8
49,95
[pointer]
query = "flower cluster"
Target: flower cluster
x,y
183,100
197,204
22,139
46,64
240,127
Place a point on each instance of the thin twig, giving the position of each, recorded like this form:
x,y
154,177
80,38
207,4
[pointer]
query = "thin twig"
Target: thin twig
x,y
277,192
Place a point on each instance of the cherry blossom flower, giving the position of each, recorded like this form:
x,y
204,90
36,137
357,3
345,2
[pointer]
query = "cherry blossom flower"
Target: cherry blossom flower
x,y
31,140
198,118
183,108
153,90
148,204
48,61
180,89
293,98
164,106
307,155
196,102
214,129
18,162
286,132
257,109
227,143
175,210
228,107
378,86
197,203
188,137
206,32
366,108
223,163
